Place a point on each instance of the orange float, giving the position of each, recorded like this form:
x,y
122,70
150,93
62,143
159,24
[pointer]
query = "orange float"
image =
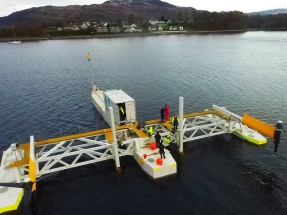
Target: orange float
x,y
159,161
152,146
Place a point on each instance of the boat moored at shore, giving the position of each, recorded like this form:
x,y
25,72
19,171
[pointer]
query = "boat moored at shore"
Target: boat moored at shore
x,y
14,42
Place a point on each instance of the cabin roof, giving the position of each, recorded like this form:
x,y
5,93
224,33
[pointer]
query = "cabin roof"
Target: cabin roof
x,y
118,96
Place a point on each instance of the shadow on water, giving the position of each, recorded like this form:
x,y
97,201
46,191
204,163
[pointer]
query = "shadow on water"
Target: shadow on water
x,y
262,178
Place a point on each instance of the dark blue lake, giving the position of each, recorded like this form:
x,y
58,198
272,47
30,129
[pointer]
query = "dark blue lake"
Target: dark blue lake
x,y
45,89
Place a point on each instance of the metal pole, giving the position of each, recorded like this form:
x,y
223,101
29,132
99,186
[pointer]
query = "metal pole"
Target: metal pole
x,y
32,163
226,112
115,145
181,124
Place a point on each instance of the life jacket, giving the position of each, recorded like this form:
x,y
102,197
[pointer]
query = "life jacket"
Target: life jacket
x,y
150,131
173,120
166,140
121,108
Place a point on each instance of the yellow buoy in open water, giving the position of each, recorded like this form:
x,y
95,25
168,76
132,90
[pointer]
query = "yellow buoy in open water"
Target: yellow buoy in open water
x,y
89,56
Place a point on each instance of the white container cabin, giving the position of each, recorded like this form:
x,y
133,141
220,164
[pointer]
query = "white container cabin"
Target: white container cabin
x,y
123,105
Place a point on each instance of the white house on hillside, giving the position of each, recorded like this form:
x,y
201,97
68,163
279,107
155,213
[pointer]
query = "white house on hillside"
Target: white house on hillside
x,y
155,28
154,22
84,26
102,29
176,28
67,27
75,27
115,29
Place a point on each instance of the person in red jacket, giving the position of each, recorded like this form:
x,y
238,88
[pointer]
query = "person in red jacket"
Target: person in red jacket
x,y
166,112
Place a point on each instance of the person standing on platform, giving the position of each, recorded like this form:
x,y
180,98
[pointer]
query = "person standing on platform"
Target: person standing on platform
x,y
150,131
162,115
175,123
122,113
157,138
161,150
166,112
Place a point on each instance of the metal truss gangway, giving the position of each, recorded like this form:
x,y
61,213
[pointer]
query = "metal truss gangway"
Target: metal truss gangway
x,y
67,152
37,158
205,124
59,154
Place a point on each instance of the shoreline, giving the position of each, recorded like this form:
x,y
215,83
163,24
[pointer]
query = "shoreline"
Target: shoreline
x,y
156,33
77,37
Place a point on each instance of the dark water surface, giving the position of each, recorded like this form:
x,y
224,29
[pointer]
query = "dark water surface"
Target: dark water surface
x,y
45,91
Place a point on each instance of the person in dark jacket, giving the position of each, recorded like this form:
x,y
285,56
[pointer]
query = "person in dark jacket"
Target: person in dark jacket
x,y
162,115
175,123
157,138
161,150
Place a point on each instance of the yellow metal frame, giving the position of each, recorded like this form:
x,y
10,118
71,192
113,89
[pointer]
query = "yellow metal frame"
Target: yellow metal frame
x,y
107,132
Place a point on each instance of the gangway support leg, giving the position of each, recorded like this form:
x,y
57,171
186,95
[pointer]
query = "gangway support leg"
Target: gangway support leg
x,y
115,144
181,125
32,163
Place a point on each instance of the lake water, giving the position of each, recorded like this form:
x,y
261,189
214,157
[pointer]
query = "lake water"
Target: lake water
x,y
45,91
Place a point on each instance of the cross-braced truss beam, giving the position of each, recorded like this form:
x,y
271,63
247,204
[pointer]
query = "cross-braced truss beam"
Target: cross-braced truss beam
x,y
203,126
78,152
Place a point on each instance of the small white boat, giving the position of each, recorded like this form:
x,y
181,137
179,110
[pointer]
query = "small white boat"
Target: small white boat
x,y
14,42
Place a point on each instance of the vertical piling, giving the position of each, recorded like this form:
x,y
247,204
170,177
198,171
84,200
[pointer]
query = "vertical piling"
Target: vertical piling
x,y
277,134
115,144
32,163
181,124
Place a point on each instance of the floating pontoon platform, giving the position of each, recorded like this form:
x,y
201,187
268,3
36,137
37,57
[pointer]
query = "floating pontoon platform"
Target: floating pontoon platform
x,y
125,137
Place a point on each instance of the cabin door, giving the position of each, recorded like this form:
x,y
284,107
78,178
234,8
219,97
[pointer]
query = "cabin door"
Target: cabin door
x,y
130,109
117,115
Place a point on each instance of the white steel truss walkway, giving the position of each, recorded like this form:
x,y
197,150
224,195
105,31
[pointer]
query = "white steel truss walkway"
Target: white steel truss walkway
x,y
199,127
78,152
73,153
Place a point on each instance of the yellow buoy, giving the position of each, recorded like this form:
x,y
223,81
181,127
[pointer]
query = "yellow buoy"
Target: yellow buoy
x,y
89,56
141,160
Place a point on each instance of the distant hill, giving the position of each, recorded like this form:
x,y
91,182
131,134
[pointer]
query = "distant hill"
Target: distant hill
x,y
109,10
268,12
